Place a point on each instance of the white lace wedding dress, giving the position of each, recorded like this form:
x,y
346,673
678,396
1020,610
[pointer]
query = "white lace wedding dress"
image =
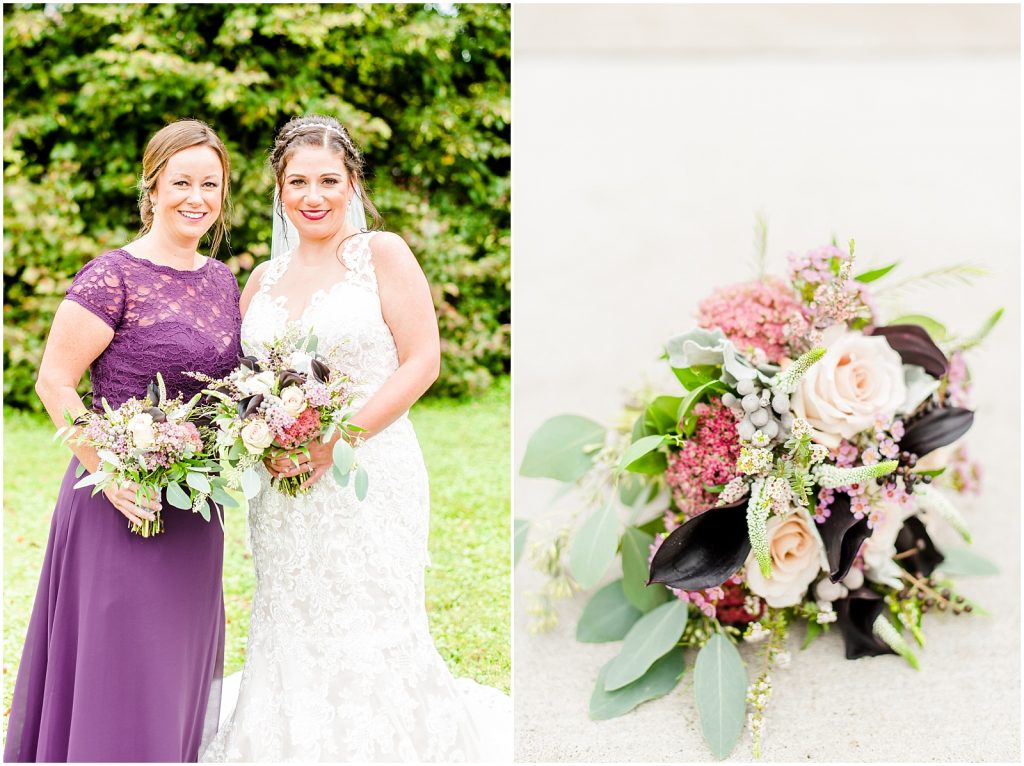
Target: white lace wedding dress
x,y
340,665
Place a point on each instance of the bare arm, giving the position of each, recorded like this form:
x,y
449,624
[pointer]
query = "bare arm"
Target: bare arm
x,y
409,313
77,337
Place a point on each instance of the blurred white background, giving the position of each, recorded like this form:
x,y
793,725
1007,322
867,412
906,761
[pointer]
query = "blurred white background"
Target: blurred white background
x,y
647,139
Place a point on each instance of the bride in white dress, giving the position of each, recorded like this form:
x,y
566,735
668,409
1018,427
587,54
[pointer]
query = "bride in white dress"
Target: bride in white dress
x,y
340,665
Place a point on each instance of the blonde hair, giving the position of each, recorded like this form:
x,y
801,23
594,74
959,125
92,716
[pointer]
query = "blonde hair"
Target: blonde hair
x,y
168,141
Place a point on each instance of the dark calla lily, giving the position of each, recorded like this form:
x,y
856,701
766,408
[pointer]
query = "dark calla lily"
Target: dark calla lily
x,y
936,429
290,378
842,535
320,370
249,405
705,551
914,537
250,363
915,346
153,393
857,614
157,414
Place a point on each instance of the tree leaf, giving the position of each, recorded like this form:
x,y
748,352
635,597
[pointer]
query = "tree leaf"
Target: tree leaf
x,y
177,497
560,448
651,637
871,276
362,483
635,553
198,482
522,528
814,630
638,449
594,547
630,489
720,689
662,678
608,616
961,562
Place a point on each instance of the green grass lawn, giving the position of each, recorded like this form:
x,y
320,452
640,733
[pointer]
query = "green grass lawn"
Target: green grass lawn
x,y
466,445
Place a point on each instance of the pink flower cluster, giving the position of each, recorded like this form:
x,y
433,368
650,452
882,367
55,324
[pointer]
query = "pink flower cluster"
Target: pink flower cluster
x,y
706,459
304,429
764,315
822,276
959,383
172,439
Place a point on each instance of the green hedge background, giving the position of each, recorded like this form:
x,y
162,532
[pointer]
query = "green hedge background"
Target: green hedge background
x,y
424,90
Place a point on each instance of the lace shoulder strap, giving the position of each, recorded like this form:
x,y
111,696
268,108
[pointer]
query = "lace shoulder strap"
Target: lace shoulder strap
x,y
273,273
358,259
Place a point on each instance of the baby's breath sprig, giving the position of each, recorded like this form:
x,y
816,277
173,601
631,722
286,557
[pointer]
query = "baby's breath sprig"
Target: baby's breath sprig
x,y
547,559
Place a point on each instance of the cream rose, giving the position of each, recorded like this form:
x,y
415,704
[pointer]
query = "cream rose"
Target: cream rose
x,y
260,383
256,435
859,377
797,555
293,400
140,427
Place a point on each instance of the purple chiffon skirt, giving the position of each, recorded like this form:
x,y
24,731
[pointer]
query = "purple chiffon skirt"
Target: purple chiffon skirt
x,y
125,647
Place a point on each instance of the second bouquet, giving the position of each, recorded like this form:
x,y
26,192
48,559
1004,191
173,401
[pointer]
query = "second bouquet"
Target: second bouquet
x,y
280,398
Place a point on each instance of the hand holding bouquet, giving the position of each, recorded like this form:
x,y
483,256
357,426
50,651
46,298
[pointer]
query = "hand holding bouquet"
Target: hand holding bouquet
x,y
277,401
152,443
794,479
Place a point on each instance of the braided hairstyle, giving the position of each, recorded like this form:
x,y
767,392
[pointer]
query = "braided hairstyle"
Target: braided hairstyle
x,y
168,141
320,131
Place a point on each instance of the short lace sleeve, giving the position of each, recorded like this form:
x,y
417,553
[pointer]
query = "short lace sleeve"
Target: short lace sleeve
x,y
99,287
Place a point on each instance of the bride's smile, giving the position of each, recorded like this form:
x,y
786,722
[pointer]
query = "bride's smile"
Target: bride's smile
x,y
316,193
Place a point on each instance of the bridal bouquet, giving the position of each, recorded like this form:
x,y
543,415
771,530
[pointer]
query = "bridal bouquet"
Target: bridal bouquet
x,y
793,479
277,401
152,442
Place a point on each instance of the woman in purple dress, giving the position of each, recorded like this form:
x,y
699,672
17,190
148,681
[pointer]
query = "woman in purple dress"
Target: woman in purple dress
x,y
124,651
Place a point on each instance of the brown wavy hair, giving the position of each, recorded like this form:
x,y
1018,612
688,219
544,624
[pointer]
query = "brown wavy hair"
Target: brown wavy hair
x,y
168,141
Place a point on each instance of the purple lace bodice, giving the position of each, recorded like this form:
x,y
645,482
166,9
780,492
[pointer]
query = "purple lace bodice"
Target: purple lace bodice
x,y
164,320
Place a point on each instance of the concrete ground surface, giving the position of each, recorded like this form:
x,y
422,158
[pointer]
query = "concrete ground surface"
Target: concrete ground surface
x,y
646,141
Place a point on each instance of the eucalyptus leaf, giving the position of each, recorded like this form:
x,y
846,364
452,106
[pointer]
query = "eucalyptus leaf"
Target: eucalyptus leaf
x,y
522,528
341,478
662,678
720,689
651,637
79,470
198,482
961,562
636,547
91,479
250,483
204,511
344,456
222,496
608,616
594,547
638,449
177,497
562,448
630,489
362,483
